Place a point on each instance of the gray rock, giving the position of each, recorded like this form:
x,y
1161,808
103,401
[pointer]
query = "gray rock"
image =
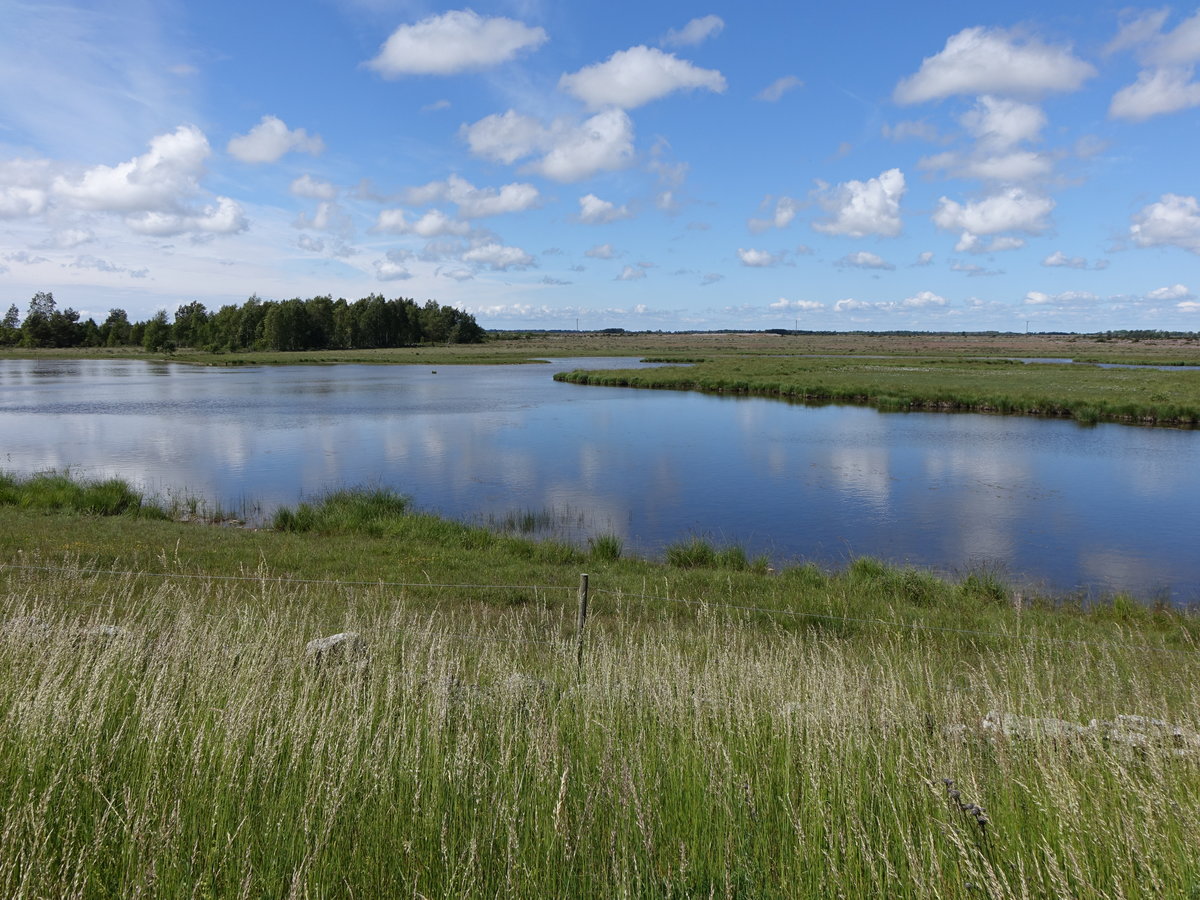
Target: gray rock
x,y
346,646
1031,727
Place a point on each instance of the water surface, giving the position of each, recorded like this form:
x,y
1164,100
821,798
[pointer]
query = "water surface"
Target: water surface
x,y
1097,509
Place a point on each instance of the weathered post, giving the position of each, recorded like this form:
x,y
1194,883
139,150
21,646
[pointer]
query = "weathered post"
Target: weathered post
x,y
582,620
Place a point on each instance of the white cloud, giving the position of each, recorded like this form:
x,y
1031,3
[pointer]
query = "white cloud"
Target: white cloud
x,y
1189,306
1013,209
924,299
434,223
601,251
911,130
924,259
865,260
270,139
311,244
473,202
849,304
1138,27
1173,221
785,212
157,180
993,61
777,88
454,42
631,273
1174,292
784,305
1067,298
498,257
697,31
390,270
602,143
999,123
329,216
860,208
505,137
1060,259
1165,84
97,264
307,186
1156,92
757,259
633,77
970,243
594,211
71,237
18,202
224,217
572,151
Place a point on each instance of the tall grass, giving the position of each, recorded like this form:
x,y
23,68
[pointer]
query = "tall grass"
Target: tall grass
x,y
61,492
708,754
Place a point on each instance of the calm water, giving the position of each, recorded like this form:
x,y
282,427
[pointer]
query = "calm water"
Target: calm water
x,y
1102,509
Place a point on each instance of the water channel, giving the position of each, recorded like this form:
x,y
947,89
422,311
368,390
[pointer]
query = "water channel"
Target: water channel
x,y
1062,507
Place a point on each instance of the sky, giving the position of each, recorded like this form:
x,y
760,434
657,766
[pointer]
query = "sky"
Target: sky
x,y
666,166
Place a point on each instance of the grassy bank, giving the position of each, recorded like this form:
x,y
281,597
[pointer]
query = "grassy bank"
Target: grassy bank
x,y
731,732
1085,393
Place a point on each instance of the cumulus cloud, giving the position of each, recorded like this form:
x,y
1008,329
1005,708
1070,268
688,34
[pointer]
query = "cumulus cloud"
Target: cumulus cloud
x,y
601,251
864,260
1014,209
473,202
434,223
1174,221
157,180
68,238
631,273
633,77
1067,298
391,270
774,91
785,305
1173,292
97,264
860,208
223,217
1166,83
697,31
572,151
153,191
594,211
452,42
785,212
1059,259
924,299
757,259
18,202
711,278
311,244
971,243
924,259
498,257
270,139
993,61
307,186
1156,92
1000,123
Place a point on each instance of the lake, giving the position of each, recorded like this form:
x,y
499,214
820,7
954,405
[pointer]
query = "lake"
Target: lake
x,y
1060,506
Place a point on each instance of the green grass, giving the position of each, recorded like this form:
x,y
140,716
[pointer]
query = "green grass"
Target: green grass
x,y
731,732
53,491
1087,393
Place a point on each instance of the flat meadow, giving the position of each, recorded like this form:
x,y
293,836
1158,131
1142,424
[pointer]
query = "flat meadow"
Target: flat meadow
x,y
728,730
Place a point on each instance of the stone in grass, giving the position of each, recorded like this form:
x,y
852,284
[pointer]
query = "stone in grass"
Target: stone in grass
x,y
346,646
27,627
1030,727
100,635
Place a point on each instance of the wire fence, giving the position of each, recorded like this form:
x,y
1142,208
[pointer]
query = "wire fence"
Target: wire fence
x,y
619,594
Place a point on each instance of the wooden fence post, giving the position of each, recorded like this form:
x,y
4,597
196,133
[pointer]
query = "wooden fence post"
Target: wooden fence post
x,y
582,620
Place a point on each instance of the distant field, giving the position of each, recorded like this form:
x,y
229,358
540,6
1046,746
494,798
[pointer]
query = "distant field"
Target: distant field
x,y
511,347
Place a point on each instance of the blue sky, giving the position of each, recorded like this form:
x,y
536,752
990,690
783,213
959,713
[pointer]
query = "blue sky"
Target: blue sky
x,y
650,166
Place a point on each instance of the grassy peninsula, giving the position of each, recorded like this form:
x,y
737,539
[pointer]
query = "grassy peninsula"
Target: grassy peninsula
x,y
732,731
1086,393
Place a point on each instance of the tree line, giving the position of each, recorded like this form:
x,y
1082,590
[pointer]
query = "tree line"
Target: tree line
x,y
318,323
